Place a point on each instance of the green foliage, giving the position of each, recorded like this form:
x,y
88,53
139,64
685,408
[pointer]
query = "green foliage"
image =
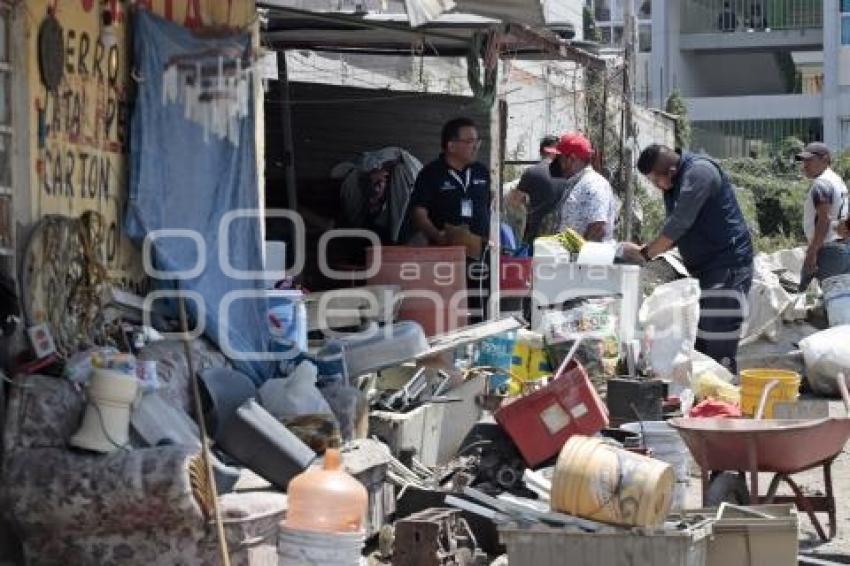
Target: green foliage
x,y
676,105
770,244
841,164
652,206
771,199
591,32
603,122
783,160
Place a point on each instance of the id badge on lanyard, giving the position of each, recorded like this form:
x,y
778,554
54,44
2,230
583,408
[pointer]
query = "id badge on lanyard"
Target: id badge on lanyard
x,y
466,202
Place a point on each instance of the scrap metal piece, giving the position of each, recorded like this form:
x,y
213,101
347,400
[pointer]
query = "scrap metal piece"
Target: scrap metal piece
x,y
435,537
405,397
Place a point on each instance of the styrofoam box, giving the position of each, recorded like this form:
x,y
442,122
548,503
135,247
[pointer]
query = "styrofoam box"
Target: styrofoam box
x,y
434,430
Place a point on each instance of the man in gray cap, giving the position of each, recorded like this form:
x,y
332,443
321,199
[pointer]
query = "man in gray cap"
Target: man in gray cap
x,y
824,210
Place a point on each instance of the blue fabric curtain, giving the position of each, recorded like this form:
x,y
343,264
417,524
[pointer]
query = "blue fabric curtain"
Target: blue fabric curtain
x,y
182,179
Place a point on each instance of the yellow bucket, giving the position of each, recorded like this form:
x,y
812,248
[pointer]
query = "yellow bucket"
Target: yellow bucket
x,y
753,382
602,482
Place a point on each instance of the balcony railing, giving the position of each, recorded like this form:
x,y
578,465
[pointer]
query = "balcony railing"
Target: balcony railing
x,y
751,138
743,16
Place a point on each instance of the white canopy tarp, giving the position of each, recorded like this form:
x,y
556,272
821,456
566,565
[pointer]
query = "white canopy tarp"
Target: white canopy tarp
x,y
532,12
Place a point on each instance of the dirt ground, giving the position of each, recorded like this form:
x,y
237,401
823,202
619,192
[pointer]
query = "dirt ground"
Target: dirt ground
x,y
822,553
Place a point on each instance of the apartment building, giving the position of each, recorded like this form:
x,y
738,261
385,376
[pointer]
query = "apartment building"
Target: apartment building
x,y
754,71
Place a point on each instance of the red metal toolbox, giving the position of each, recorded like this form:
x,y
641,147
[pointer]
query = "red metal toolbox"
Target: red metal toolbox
x,y
541,423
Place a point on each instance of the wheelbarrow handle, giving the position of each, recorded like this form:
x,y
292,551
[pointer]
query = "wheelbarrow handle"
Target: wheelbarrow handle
x,y
765,393
845,396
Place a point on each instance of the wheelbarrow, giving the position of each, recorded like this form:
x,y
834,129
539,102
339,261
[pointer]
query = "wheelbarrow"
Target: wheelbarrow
x,y
781,447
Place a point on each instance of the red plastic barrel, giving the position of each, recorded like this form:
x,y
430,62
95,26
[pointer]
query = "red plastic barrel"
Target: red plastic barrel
x,y
433,283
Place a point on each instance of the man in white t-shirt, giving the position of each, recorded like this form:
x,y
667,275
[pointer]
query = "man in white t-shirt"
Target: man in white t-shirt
x,y
589,207
824,210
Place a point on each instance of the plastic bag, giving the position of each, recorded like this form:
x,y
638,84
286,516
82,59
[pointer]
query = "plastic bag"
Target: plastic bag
x,y
295,395
595,321
79,366
670,317
705,364
708,386
826,353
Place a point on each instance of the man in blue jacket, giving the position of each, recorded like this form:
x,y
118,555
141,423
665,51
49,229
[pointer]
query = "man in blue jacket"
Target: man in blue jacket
x,y
705,222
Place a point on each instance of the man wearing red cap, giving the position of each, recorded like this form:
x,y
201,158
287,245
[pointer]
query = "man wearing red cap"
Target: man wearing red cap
x,y
589,207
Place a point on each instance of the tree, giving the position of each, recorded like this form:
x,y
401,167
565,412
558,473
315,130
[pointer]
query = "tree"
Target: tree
x,y
676,105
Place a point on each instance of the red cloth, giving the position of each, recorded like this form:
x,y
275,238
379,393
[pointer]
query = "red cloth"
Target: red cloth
x,y
713,408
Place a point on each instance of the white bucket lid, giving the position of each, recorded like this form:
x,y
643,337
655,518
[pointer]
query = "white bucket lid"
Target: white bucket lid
x,y
291,294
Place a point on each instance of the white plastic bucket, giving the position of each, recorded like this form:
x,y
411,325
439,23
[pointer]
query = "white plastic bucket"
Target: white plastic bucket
x,y
836,298
287,317
106,421
308,548
668,446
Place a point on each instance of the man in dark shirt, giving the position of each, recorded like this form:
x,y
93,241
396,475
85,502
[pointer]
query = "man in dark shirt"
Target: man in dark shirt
x,y
706,224
450,204
454,189
543,187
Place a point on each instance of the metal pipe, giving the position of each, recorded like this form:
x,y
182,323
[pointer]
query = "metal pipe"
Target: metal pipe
x,y
842,386
206,457
763,399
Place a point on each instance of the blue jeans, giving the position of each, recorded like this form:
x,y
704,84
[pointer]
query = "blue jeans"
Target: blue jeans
x,y
723,305
833,259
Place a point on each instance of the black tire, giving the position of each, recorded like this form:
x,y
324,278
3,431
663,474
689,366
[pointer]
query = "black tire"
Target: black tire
x,y
727,487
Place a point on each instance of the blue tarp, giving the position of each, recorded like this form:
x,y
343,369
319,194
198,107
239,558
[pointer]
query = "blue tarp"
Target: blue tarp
x,y
182,179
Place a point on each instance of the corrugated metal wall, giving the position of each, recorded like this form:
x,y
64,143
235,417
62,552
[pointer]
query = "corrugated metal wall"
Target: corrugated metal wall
x,y
333,123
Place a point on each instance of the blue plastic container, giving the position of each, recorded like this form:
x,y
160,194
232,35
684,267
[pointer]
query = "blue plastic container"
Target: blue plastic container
x,y
287,317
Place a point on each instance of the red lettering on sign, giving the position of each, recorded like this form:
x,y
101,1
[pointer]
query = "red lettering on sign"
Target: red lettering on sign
x,y
193,14
88,5
169,9
117,12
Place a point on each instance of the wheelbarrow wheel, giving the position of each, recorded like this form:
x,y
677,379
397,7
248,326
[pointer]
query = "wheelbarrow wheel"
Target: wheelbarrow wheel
x,y
727,487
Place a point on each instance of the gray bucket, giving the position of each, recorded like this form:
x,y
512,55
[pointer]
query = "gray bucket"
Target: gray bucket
x,y
309,548
836,299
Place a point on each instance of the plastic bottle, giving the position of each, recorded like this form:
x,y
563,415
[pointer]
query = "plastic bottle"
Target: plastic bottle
x,y
326,499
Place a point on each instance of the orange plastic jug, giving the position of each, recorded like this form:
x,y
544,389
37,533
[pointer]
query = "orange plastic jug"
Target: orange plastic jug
x,y
326,499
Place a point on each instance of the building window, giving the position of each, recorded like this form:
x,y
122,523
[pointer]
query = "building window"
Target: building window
x,y
845,22
645,38
602,10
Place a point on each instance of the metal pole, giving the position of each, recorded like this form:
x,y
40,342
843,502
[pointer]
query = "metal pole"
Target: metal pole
x,y
548,111
628,127
288,144
498,122
205,446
